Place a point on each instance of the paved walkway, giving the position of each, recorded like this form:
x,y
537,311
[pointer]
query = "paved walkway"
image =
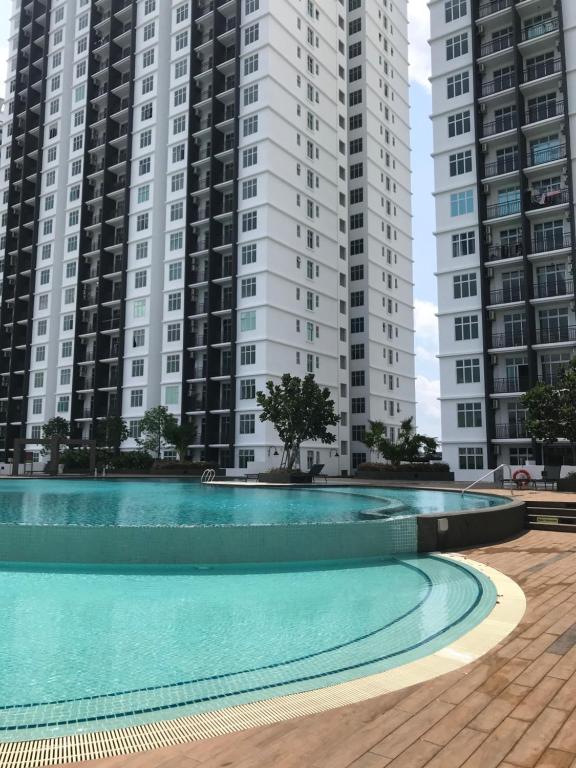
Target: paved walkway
x,y
513,708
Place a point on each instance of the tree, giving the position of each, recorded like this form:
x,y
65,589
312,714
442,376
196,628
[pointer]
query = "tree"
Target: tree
x,y
56,427
550,409
154,427
181,436
111,433
409,446
300,410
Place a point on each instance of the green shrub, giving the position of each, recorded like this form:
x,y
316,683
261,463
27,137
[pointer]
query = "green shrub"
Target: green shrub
x,y
422,468
131,461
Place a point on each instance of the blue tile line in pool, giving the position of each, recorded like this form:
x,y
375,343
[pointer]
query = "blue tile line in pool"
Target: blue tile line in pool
x,y
12,729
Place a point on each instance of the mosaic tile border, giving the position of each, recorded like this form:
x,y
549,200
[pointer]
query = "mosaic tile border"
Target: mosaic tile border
x,y
505,616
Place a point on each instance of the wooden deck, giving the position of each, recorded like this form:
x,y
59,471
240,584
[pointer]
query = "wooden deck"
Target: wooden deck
x,y
514,707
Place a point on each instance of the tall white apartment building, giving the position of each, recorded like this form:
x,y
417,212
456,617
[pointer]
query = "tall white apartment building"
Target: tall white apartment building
x,y
503,88
200,197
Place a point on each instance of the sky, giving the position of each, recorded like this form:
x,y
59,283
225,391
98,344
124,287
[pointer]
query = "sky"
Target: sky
x,y
427,376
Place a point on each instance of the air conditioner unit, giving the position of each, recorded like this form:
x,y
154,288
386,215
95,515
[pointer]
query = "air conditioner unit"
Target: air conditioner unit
x,y
485,148
494,359
483,108
490,272
481,29
486,189
482,68
492,315
495,405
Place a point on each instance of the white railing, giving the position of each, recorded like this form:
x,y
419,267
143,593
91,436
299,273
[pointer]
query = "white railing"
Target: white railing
x,y
491,472
208,475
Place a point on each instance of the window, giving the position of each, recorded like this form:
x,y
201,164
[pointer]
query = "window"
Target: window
x,y
40,354
250,66
176,241
63,404
65,376
141,251
38,379
468,371
471,458
148,58
69,295
138,367
251,34
136,398
68,323
357,325
465,285
249,221
147,84
134,429
180,96
463,244
44,277
358,404
173,332
247,389
37,406
461,162
248,287
461,203
357,351
466,327
180,69
146,138
459,123
469,414
171,397
458,84
139,308
139,338
248,354
66,349
247,423
357,299
457,46
142,222
144,166
181,13
174,301
140,279
177,211
357,272
177,182
149,31
175,271
248,255
172,363
245,457
181,41
42,327
250,125
144,193
248,321
249,189
454,9
249,157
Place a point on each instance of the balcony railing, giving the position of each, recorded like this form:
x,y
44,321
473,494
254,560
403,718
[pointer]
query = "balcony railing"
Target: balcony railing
x,y
512,384
545,111
508,339
511,208
493,6
548,198
498,84
551,242
503,165
541,69
558,286
514,431
546,155
501,43
556,335
541,28
507,295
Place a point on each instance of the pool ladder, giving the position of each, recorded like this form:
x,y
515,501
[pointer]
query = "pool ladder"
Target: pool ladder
x,y
208,475
491,472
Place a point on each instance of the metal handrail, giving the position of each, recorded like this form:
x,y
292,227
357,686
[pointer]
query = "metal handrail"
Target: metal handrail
x,y
208,475
491,472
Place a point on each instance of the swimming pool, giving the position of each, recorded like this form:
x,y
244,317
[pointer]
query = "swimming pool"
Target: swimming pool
x,y
182,503
86,649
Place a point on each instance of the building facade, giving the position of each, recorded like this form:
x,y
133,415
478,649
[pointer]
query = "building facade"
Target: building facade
x,y
199,197
503,92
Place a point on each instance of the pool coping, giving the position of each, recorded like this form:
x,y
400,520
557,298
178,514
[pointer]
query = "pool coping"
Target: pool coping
x,y
502,620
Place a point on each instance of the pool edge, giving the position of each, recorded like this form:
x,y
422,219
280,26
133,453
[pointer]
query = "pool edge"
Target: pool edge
x,y
502,620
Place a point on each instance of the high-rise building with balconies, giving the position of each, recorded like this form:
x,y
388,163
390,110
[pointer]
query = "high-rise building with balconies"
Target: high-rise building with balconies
x,y
503,87
199,197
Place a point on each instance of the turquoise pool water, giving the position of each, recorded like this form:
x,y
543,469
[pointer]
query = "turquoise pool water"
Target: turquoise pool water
x,y
176,503
90,649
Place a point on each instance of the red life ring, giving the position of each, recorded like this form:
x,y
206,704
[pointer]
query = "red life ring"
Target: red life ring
x,y
521,477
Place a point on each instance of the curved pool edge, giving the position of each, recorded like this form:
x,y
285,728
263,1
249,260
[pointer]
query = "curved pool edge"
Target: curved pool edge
x,y
502,620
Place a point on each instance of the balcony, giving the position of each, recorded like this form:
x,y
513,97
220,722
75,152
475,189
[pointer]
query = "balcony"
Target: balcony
x,y
493,6
501,166
498,85
495,46
510,385
541,28
499,210
541,69
553,241
545,111
508,295
513,431
558,286
508,339
556,335
547,155
547,199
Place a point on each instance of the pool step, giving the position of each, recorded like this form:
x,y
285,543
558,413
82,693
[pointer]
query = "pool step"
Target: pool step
x,y
546,516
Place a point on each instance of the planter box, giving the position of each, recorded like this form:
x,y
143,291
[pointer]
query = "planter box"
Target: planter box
x,y
411,475
567,484
284,477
